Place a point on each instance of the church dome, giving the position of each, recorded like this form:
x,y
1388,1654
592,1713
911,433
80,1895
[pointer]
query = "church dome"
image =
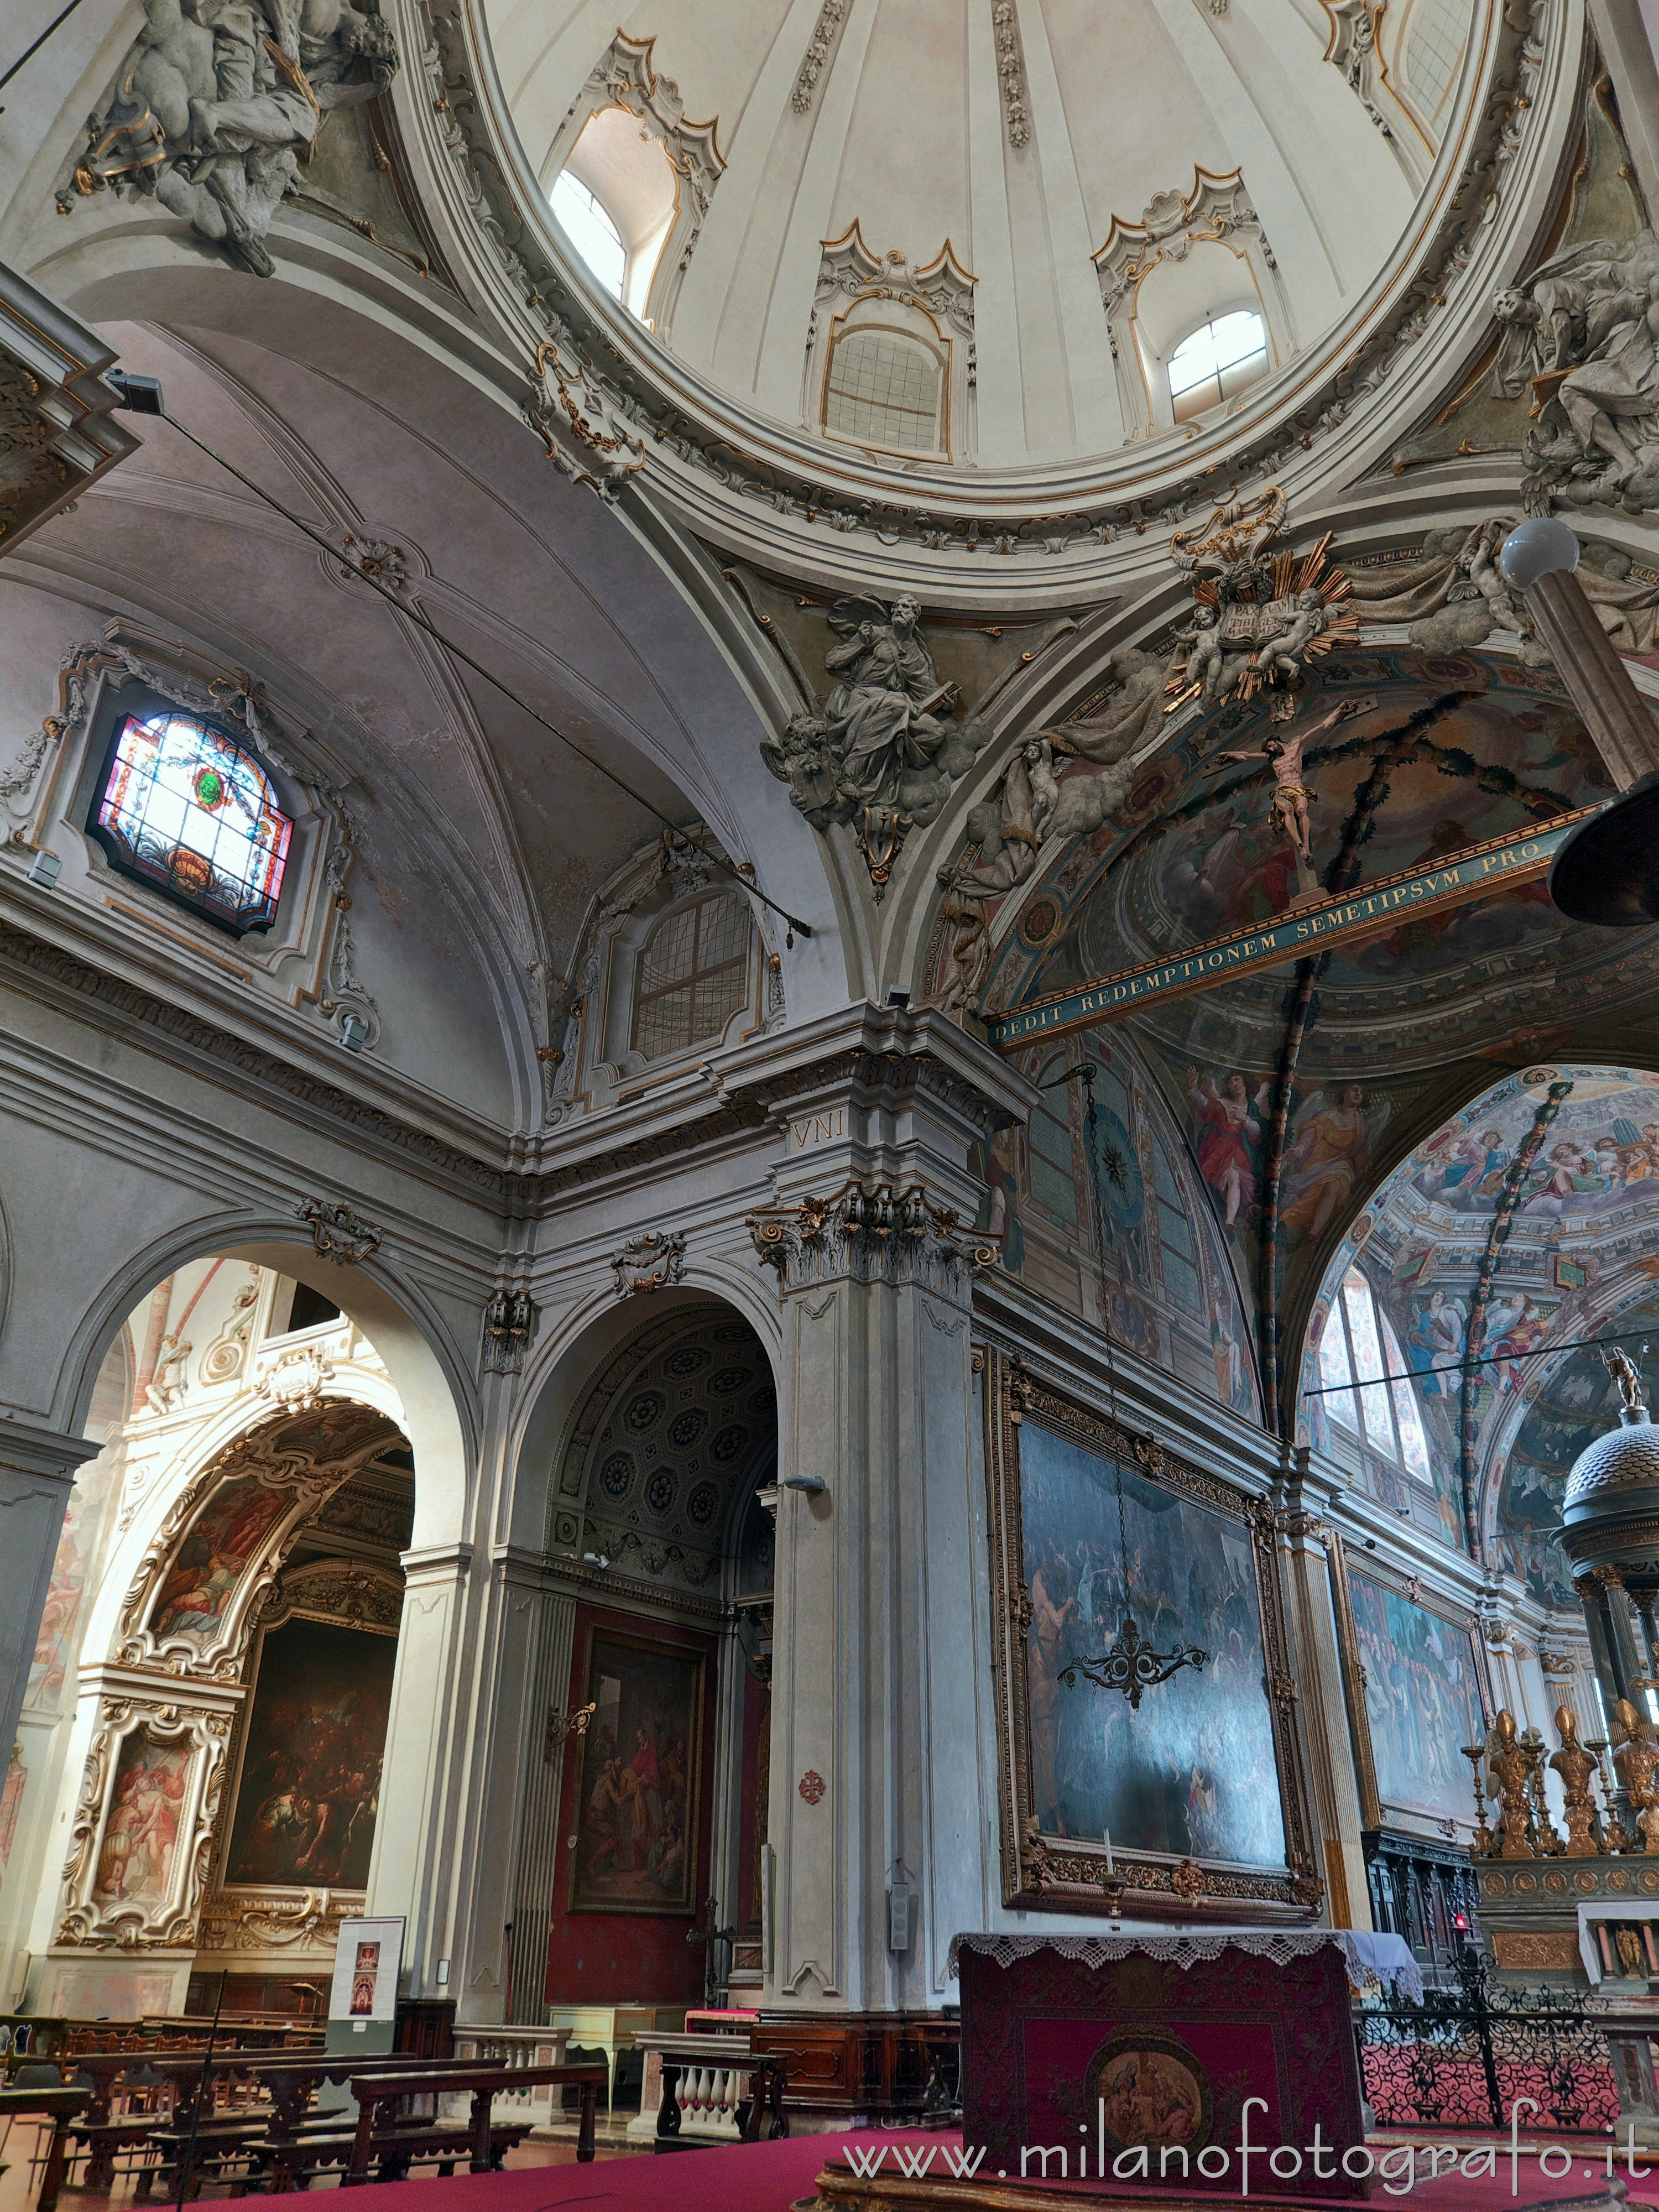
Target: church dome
x,y
935,237
1610,1474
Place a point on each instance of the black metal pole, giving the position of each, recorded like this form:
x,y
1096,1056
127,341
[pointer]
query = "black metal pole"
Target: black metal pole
x,y
187,2156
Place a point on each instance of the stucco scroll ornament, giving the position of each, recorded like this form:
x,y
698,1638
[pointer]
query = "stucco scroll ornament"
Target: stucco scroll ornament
x,y
1583,331
587,437
650,1261
219,103
1037,801
295,1384
336,1232
883,750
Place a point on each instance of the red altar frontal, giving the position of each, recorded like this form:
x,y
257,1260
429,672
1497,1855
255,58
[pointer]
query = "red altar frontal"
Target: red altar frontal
x,y
1224,2061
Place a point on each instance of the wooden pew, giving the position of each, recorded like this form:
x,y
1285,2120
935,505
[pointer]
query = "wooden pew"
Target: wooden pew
x,y
489,2142
266,2138
60,2107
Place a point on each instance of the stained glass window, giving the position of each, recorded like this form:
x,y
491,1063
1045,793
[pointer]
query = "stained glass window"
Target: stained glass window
x,y
693,974
188,808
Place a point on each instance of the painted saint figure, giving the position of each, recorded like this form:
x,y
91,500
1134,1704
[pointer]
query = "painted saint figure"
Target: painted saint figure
x,y
1231,1125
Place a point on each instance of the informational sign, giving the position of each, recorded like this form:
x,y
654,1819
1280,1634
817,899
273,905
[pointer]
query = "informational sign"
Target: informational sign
x,y
1300,934
362,1998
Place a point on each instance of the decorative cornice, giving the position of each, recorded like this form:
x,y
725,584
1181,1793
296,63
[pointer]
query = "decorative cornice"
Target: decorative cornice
x,y
58,433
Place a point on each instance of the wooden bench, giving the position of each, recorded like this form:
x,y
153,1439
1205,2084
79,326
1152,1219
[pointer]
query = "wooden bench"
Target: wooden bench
x,y
489,2139
261,2138
60,2107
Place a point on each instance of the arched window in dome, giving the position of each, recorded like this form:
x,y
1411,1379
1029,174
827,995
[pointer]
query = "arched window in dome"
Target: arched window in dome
x,y
583,218
692,975
1436,33
1364,1375
186,810
885,388
1224,355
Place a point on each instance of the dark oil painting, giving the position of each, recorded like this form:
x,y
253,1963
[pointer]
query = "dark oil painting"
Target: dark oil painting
x,y
1422,1700
637,1778
311,1773
1193,1770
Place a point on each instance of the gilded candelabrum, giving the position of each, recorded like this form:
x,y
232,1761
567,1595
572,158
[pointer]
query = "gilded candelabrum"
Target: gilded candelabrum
x,y
1485,1841
1575,1764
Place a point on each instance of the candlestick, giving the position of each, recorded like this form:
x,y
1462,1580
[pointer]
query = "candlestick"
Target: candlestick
x,y
1110,1868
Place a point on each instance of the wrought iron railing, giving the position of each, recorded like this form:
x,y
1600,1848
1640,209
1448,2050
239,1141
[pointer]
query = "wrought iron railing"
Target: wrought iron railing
x,y
1463,2057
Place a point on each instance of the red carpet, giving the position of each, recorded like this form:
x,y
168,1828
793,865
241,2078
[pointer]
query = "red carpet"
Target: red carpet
x,y
770,2177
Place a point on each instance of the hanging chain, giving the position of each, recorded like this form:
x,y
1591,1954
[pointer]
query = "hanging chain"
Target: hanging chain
x,y
1129,1665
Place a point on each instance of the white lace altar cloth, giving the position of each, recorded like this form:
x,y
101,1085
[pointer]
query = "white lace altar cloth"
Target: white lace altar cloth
x,y
1370,1960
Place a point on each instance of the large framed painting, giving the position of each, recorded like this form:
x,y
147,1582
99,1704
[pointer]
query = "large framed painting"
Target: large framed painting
x,y
1196,1797
1415,1676
638,1777
307,1782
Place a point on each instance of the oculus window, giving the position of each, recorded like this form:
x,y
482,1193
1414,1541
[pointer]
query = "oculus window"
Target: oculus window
x,y
1357,1351
585,222
1216,360
186,809
693,976
885,389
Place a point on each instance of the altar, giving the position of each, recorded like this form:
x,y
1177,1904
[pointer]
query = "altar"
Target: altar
x,y
1214,2058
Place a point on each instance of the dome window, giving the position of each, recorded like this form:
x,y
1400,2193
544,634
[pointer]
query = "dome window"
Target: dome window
x,y
584,221
1436,33
1364,1378
885,389
1217,361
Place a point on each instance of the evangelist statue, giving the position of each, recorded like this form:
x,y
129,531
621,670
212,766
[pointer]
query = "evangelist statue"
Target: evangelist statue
x,y
887,735
1583,331
219,102
881,715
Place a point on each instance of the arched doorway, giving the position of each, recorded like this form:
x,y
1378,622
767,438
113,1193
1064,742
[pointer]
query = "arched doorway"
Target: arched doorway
x,y
206,1716
656,1594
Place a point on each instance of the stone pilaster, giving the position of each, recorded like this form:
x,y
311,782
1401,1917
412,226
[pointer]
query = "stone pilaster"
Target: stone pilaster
x,y
1318,1659
878,1654
37,1472
414,1835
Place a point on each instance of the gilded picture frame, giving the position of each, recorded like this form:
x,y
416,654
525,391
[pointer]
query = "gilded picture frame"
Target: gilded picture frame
x,y
1065,1872
1382,1805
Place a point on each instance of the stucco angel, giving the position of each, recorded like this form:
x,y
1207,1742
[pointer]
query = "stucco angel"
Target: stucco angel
x,y
218,102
